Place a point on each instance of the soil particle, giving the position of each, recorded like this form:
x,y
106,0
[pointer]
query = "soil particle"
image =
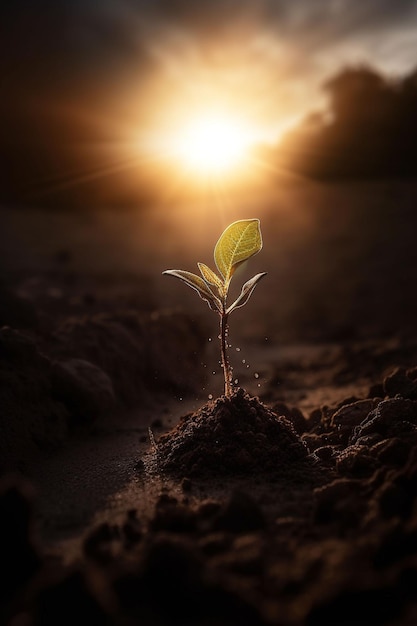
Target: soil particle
x,y
392,452
400,382
351,415
355,461
392,417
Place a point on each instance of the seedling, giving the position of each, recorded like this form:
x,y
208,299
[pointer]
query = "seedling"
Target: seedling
x,y
240,241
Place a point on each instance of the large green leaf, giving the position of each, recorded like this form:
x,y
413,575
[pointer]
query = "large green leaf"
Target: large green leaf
x,y
240,241
246,292
197,283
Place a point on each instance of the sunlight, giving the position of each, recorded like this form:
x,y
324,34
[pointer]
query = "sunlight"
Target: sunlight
x,y
213,144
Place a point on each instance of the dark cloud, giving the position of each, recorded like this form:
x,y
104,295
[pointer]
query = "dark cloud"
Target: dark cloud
x,y
282,13
53,44
320,20
92,35
371,131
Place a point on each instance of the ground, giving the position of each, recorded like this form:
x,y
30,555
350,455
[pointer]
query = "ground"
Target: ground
x,y
134,492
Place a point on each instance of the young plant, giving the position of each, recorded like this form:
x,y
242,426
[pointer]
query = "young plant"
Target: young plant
x,y
240,241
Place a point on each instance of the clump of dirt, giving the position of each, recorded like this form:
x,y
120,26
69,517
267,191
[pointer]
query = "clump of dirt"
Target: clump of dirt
x,y
138,352
55,383
30,416
309,529
358,438
236,435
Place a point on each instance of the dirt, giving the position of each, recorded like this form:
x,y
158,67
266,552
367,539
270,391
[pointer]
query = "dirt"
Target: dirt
x,y
128,496
237,435
236,514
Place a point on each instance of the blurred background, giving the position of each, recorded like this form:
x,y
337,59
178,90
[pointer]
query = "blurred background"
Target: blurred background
x,y
132,133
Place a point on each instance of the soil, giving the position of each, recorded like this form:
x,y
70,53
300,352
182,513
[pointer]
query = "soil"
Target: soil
x,y
231,436
128,496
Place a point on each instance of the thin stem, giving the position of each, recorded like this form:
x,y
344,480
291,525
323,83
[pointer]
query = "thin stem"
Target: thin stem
x,y
225,361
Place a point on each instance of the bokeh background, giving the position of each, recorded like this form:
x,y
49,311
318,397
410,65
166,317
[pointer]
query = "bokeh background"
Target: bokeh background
x,y
91,200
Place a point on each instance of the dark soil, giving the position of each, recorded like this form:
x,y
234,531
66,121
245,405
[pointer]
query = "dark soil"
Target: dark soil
x,y
126,498
231,436
277,521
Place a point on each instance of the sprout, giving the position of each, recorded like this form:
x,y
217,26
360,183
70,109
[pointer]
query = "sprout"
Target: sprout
x,y
240,241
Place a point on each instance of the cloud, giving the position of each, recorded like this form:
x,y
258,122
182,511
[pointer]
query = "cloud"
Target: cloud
x,y
57,44
303,24
371,132
76,69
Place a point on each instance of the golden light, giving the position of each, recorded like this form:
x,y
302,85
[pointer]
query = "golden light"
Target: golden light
x,y
199,138
212,144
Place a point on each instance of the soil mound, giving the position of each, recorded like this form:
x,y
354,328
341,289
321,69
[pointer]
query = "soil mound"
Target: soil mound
x,y
238,435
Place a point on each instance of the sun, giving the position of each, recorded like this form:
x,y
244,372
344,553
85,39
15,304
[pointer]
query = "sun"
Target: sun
x,y
212,144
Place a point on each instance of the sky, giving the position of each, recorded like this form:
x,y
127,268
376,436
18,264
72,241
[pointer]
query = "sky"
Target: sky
x,y
131,72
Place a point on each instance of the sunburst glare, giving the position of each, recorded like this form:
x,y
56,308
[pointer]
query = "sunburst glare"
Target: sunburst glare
x,y
213,144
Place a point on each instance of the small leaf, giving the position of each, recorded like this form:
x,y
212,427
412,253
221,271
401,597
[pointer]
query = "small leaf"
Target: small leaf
x,y
210,277
240,241
246,292
197,283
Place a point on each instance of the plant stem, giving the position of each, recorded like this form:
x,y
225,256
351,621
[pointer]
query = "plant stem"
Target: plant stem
x,y
225,361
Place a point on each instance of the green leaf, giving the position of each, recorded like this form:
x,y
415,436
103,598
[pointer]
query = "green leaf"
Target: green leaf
x,y
197,283
246,293
211,277
240,241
